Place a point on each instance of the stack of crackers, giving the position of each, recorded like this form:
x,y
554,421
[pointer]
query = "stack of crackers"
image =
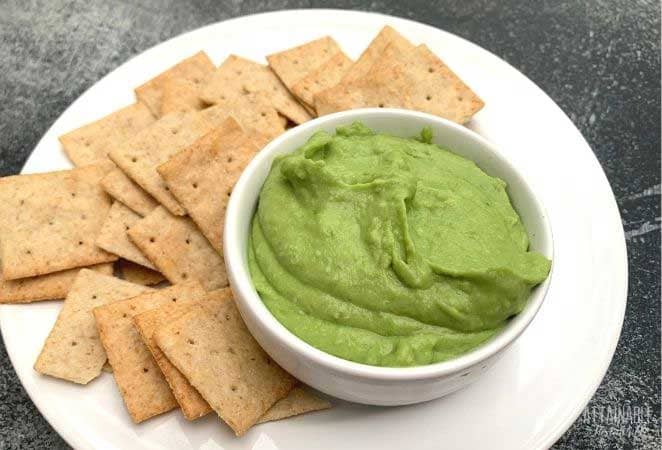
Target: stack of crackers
x,y
131,237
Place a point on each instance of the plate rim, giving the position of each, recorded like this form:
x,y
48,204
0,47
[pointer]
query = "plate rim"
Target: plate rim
x,y
77,440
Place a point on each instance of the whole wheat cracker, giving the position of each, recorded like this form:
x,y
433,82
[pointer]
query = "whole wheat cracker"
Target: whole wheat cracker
x,y
194,69
50,221
139,380
72,351
51,286
416,80
293,64
202,176
238,76
91,143
214,350
113,238
192,404
299,401
323,77
178,249
123,189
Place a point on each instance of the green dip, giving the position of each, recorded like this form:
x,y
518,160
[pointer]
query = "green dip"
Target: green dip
x,y
389,251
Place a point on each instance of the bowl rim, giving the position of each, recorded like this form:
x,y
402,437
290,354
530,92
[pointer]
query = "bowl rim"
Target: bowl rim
x,y
246,294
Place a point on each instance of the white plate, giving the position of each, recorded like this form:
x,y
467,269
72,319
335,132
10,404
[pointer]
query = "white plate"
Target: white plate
x,y
526,401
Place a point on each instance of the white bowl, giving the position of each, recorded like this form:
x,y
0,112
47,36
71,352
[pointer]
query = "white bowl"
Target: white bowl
x,y
350,380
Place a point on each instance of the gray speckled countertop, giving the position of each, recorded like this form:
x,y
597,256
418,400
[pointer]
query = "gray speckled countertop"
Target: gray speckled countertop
x,y
599,60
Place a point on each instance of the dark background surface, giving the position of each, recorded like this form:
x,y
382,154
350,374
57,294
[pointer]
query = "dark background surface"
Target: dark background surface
x,y
599,60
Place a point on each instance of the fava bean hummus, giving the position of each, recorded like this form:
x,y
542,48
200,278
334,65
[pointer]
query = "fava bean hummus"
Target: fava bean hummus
x,y
389,251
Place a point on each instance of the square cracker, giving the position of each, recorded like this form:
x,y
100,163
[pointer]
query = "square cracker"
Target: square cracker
x,y
299,401
50,221
202,176
293,64
214,350
91,143
239,76
113,238
416,80
323,77
121,188
72,350
44,287
194,69
192,404
139,156
135,273
386,36
178,249
142,386
181,95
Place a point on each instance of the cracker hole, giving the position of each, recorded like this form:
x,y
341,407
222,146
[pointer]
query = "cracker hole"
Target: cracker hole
x,y
428,97
124,315
227,317
222,97
177,333
184,276
231,350
74,343
233,388
22,202
263,114
188,241
83,217
190,341
296,61
126,227
73,194
152,239
134,159
229,159
29,252
306,88
238,72
50,223
94,297
459,98
195,185
145,370
80,242
381,105
430,69
267,360
167,188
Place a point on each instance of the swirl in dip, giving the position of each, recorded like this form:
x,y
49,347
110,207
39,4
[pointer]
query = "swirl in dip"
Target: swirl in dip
x,y
389,251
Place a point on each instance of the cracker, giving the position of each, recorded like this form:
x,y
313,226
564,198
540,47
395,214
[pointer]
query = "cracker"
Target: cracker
x,y
180,95
323,77
50,221
178,249
121,188
214,350
113,237
293,64
44,287
135,273
72,350
386,36
418,80
194,69
192,404
299,401
141,384
239,76
139,156
90,143
202,176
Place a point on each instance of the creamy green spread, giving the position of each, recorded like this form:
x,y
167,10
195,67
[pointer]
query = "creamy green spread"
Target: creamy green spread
x,y
389,251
